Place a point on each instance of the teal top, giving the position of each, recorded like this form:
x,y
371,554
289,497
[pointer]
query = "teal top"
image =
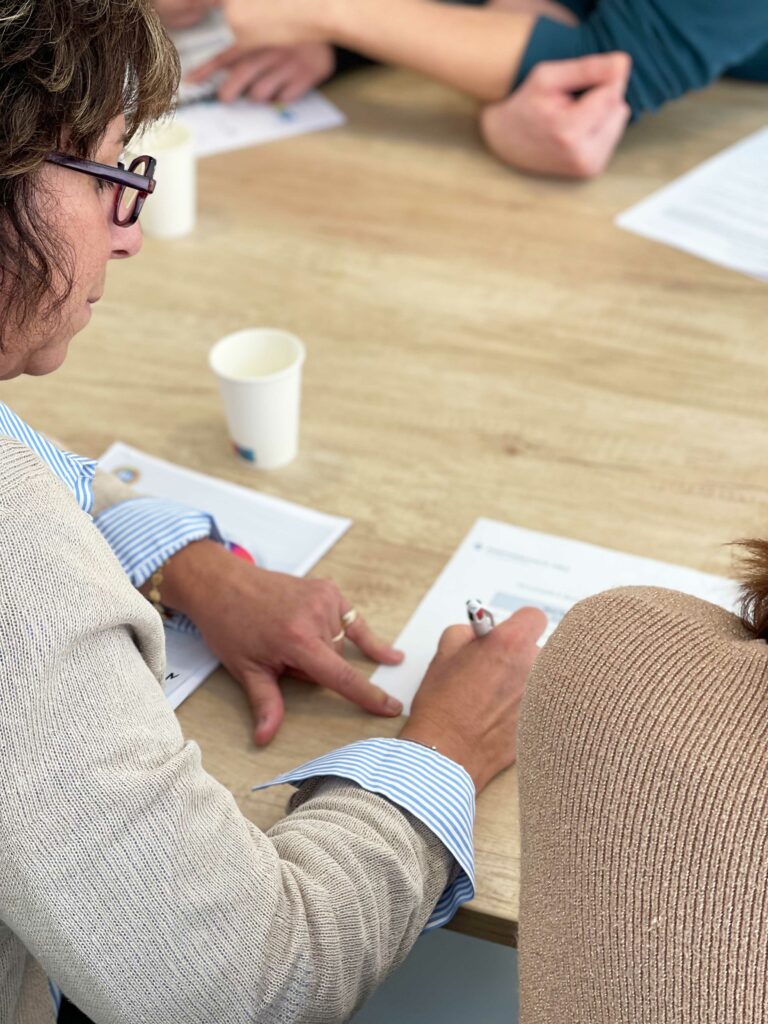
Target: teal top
x,y
675,45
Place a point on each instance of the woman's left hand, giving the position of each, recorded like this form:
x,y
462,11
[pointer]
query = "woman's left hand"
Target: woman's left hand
x,y
263,624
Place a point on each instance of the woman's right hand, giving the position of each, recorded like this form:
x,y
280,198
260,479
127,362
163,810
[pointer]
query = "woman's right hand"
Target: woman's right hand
x,y
469,702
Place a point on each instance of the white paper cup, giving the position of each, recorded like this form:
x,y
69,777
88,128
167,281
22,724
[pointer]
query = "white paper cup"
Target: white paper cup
x,y
170,211
259,373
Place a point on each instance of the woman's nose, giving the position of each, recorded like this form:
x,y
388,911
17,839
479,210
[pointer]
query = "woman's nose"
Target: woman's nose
x,y
126,241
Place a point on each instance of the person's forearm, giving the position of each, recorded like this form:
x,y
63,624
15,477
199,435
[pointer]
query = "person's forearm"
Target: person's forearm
x,y
476,50
186,576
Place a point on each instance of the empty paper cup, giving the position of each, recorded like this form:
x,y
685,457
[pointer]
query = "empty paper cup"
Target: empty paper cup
x,y
259,373
170,211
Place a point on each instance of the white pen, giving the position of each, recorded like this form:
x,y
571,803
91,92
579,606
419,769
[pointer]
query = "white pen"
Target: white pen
x,y
480,617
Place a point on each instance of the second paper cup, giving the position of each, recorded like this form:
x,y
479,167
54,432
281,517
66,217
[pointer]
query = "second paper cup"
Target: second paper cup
x,y
259,374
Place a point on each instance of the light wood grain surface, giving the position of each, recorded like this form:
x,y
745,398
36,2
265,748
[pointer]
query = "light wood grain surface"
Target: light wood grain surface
x,y
480,343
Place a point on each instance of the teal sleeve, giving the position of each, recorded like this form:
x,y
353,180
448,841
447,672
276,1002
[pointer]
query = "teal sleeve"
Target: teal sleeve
x,y
675,45
755,69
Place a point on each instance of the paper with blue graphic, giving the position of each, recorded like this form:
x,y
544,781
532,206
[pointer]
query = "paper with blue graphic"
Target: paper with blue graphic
x,y
507,568
278,535
219,127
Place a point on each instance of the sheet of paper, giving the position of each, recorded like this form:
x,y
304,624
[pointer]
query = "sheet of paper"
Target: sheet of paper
x,y
279,534
507,567
717,211
220,127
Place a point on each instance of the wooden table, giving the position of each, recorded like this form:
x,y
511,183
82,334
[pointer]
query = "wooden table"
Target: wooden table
x,y
480,343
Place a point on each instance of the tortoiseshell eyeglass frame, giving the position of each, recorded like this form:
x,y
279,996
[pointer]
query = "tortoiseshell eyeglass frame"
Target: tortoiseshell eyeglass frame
x,y
144,184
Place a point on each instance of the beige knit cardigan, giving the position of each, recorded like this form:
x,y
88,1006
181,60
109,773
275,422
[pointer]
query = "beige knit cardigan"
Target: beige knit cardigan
x,y
127,874
644,813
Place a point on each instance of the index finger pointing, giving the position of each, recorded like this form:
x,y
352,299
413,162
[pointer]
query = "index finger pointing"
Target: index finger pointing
x,y
322,664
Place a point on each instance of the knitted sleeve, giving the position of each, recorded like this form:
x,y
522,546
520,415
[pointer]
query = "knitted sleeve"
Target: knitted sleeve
x,y
644,816
125,869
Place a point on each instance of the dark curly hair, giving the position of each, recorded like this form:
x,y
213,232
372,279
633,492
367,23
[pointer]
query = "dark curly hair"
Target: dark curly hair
x,y
67,68
752,571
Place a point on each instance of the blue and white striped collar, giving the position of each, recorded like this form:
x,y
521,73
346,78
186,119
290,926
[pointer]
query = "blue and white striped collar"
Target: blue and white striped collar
x,y
75,471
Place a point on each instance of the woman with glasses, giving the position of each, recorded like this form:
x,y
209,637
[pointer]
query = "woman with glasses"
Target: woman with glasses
x,y
200,579
132,889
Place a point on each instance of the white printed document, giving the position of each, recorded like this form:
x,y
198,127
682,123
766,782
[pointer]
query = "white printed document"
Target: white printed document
x,y
279,535
718,211
220,127
507,568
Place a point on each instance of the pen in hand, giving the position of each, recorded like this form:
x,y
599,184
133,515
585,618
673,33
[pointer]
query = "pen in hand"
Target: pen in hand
x,y
480,618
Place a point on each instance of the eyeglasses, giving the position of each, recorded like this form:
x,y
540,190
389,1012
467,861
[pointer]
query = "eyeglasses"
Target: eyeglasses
x,y
133,184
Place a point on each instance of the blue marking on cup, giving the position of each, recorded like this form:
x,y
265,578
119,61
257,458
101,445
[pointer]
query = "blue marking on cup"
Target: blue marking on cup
x,y
245,453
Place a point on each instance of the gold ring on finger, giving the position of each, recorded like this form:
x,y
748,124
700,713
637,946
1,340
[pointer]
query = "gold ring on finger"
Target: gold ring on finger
x,y
348,618
346,621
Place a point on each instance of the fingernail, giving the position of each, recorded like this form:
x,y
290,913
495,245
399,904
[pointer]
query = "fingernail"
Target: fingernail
x,y
393,706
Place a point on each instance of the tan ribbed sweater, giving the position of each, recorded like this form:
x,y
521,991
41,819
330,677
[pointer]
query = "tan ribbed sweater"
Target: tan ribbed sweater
x,y
644,809
127,874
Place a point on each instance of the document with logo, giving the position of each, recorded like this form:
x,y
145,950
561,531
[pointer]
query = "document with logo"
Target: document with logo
x,y
507,567
717,211
277,534
219,127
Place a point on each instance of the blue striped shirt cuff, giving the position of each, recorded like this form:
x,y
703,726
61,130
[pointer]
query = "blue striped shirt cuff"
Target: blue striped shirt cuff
x,y
431,787
145,532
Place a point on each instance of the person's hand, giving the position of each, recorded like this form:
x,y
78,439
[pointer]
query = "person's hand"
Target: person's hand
x,y
274,74
469,702
182,13
565,119
263,624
